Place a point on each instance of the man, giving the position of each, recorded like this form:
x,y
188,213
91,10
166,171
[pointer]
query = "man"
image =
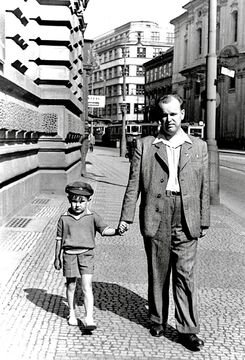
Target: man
x,y
91,139
83,150
170,172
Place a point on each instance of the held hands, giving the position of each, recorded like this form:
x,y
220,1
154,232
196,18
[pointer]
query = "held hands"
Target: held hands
x,y
203,232
57,264
123,227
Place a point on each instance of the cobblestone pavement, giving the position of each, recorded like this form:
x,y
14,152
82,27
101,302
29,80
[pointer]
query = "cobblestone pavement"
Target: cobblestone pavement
x,y
33,305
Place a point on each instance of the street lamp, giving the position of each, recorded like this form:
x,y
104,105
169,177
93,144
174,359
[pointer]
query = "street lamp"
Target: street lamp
x,y
123,147
211,104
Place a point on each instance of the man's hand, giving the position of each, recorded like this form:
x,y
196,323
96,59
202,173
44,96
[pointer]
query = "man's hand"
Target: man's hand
x,y
123,227
203,232
57,264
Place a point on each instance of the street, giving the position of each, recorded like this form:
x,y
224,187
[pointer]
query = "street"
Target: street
x,y
232,182
33,301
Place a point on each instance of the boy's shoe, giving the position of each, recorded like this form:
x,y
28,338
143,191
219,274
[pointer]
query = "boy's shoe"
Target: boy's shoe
x,y
89,326
72,321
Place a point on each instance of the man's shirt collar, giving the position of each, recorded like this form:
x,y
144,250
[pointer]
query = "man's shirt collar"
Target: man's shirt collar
x,y
178,139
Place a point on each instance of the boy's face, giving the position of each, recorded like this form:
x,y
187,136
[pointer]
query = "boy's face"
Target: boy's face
x,y
78,203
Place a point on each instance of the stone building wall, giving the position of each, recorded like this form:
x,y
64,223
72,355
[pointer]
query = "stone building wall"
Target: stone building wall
x,y
41,98
189,66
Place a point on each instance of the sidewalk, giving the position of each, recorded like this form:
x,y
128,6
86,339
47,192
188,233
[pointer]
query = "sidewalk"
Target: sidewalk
x,y
33,305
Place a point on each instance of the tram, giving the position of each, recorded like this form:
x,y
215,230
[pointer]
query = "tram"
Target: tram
x,y
133,131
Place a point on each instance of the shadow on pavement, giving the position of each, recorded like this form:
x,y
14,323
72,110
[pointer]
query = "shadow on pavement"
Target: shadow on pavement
x,y
55,304
107,297
120,301
92,176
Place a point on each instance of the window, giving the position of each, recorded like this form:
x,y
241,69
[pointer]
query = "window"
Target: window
x,y
157,51
170,68
185,51
127,89
151,75
147,76
232,83
155,36
140,89
127,108
125,52
114,90
235,25
116,53
170,37
199,39
138,108
126,70
141,52
197,88
155,73
217,36
110,55
139,70
108,109
114,109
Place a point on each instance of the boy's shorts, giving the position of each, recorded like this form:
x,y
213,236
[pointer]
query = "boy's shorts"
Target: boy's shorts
x,y
75,265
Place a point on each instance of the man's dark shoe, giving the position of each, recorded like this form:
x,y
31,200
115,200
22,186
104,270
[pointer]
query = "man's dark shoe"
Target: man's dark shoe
x,y
191,341
157,330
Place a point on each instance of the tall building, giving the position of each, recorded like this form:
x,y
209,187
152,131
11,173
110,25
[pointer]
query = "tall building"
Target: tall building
x,y
41,97
158,81
189,66
118,72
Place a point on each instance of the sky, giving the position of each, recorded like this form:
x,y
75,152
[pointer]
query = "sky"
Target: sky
x,y
105,15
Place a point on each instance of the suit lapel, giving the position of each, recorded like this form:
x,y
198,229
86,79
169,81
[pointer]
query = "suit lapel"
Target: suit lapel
x,y
185,155
162,152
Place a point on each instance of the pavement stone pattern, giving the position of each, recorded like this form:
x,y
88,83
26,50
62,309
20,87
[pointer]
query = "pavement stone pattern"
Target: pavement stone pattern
x,y
32,293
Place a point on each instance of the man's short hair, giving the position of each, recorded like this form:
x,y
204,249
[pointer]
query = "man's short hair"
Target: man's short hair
x,y
165,99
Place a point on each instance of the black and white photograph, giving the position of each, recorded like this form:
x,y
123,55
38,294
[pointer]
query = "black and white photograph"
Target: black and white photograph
x,y
122,180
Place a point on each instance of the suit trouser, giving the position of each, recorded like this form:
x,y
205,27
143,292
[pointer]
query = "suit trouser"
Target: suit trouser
x,y
172,249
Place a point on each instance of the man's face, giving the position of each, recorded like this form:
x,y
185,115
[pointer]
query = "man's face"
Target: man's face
x,y
172,115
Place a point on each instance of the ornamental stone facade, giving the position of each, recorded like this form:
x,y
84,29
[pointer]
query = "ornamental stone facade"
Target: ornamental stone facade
x,y
41,98
189,66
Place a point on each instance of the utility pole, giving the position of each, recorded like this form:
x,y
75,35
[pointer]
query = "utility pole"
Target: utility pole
x,y
211,70
123,147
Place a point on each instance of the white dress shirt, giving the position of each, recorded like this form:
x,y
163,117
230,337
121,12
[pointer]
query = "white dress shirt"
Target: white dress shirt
x,y
173,153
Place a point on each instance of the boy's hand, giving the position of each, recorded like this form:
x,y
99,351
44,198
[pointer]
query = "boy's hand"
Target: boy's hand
x,y
123,227
57,264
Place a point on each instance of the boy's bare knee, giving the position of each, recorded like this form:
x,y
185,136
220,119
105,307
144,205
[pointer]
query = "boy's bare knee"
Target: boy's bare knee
x,y
86,288
71,283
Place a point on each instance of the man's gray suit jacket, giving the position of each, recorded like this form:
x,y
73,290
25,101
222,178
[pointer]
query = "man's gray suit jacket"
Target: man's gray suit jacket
x,y
148,177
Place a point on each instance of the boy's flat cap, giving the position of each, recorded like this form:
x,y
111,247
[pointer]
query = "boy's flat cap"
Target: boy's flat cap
x,y
79,188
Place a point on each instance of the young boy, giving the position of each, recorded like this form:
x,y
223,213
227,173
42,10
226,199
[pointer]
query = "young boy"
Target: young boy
x,y
76,232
